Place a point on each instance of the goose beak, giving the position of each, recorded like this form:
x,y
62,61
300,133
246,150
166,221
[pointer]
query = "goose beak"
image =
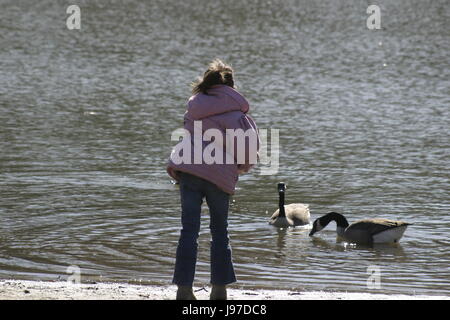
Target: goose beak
x,y
311,233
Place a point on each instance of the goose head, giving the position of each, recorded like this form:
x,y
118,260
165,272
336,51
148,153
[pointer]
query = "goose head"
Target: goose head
x,y
317,226
322,222
281,187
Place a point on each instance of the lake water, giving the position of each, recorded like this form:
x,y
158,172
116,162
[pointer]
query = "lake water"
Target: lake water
x,y
86,117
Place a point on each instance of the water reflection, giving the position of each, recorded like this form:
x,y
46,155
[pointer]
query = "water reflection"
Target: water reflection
x,y
340,244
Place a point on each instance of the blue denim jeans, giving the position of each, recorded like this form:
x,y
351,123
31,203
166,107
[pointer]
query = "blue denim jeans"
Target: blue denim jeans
x,y
193,189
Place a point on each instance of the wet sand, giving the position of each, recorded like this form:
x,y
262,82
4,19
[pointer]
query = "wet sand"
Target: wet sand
x,y
61,290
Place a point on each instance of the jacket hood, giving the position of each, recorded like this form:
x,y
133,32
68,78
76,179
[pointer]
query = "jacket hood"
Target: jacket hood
x,y
220,99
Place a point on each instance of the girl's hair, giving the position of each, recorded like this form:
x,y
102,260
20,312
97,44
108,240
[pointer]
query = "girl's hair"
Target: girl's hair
x,y
218,73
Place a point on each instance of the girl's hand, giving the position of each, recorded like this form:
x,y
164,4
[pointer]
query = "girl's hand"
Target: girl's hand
x,y
243,169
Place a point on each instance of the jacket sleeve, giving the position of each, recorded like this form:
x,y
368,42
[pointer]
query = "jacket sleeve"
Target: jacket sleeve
x,y
252,144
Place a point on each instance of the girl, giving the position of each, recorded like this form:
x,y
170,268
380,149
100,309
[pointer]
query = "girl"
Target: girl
x,y
217,105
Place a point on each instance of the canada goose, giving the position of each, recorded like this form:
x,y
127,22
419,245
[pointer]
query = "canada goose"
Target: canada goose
x,y
365,231
294,214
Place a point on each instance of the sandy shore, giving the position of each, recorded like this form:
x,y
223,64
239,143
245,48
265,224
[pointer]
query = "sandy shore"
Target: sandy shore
x,y
42,290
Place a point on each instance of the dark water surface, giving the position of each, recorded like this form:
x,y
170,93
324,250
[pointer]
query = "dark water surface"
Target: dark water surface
x,y
86,117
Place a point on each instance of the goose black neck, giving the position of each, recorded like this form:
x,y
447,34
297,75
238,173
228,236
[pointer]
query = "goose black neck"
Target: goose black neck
x,y
281,190
340,220
281,205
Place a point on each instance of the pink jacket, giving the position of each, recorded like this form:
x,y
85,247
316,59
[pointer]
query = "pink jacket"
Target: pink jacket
x,y
222,108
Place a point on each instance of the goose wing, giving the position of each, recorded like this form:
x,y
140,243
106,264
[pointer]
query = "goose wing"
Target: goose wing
x,y
298,213
375,226
280,222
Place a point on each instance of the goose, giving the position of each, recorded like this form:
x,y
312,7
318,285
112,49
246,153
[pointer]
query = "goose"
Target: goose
x,y
291,215
366,231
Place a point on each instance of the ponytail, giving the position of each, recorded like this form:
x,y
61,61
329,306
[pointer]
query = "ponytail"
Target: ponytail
x,y
217,73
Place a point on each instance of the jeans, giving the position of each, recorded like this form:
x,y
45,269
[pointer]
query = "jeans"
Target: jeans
x,y
193,189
